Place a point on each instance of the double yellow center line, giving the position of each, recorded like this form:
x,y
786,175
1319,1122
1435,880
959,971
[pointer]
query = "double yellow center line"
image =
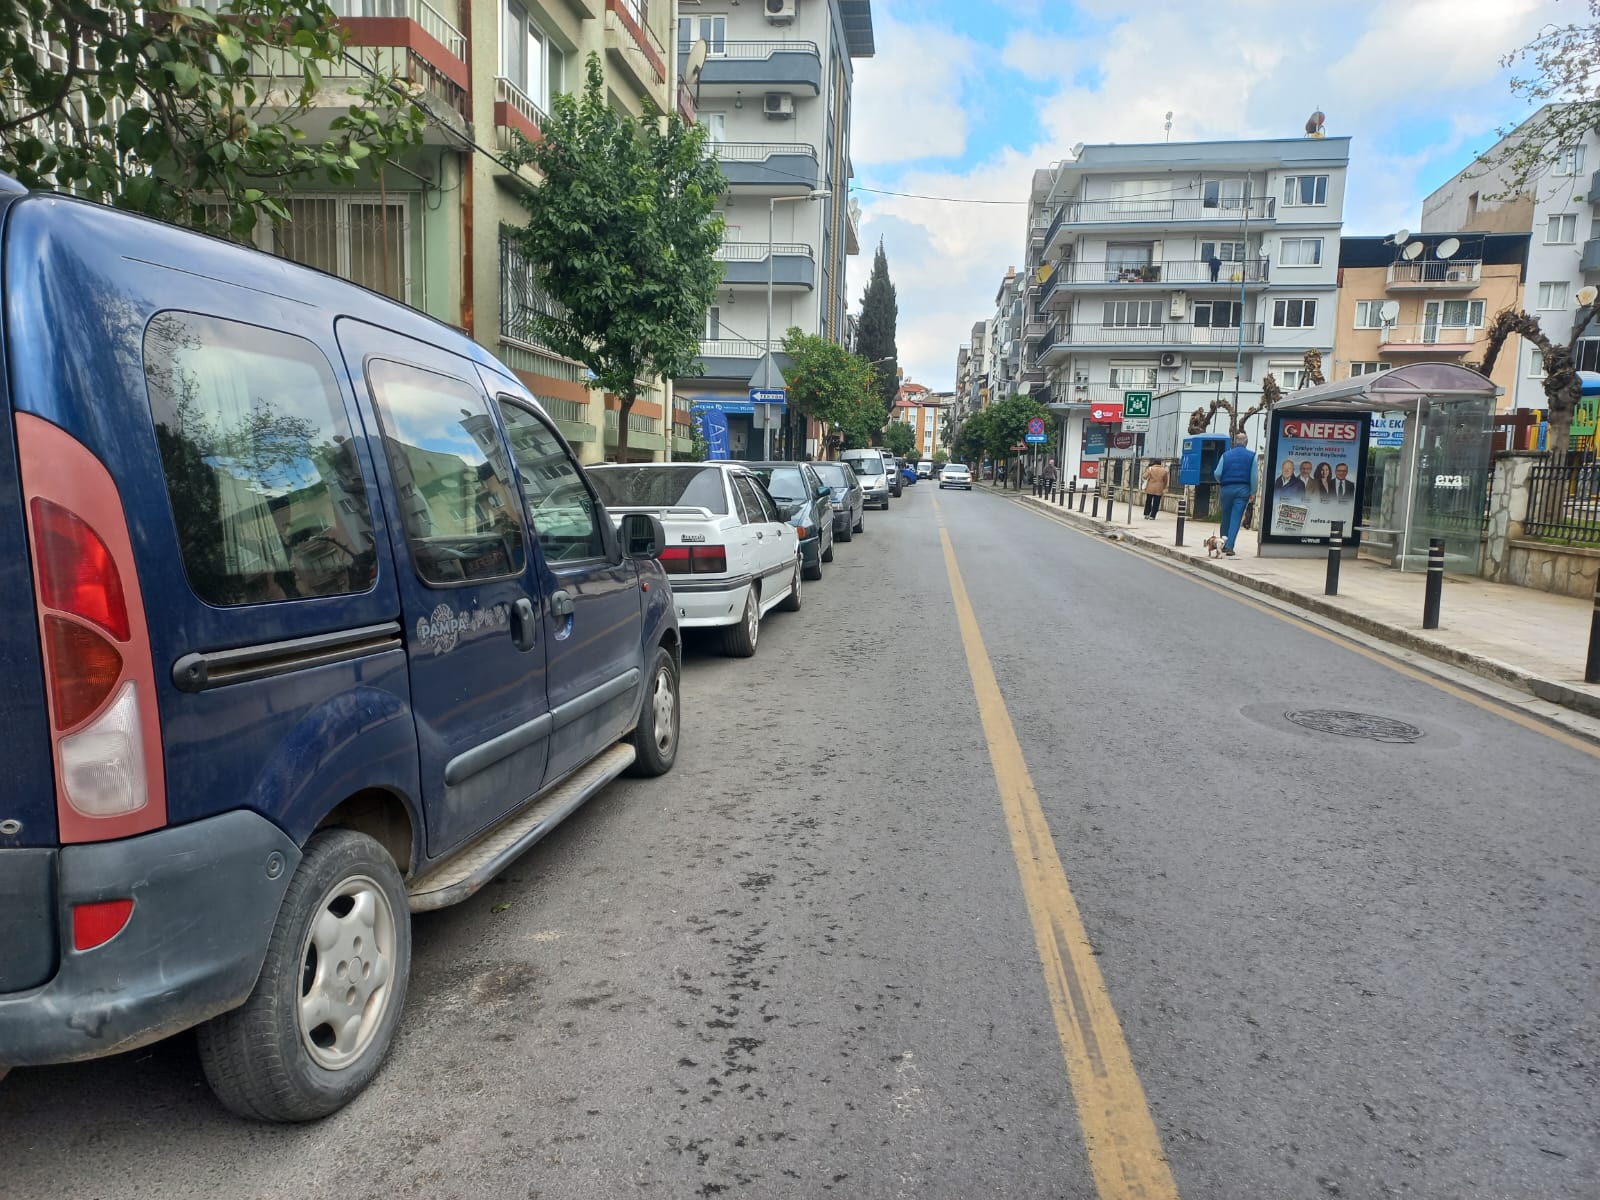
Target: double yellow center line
x,y
1124,1149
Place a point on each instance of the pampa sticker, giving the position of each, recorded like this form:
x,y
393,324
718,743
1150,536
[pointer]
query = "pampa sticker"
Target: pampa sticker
x,y
444,629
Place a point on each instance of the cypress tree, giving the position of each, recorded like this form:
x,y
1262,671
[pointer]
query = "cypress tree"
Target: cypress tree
x,y
876,328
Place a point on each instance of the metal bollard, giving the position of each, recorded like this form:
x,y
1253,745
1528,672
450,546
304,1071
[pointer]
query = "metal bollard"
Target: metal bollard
x,y
1111,495
1591,670
1335,548
1435,586
1183,511
1095,511
1083,497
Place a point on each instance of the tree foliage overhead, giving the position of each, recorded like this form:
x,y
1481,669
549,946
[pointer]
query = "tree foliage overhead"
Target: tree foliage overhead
x,y
875,331
1559,68
1562,386
829,383
899,439
183,115
623,234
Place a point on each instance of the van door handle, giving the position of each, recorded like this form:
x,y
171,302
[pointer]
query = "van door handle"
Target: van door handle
x,y
524,624
560,604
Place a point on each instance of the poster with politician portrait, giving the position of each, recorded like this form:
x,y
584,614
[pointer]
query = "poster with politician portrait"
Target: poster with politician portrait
x,y
1315,478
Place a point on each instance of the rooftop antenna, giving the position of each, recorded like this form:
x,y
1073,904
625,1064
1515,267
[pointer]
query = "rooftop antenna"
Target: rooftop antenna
x,y
1169,126
1314,124
1399,239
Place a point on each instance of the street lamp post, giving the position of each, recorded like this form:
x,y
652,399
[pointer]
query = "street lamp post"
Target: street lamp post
x,y
772,210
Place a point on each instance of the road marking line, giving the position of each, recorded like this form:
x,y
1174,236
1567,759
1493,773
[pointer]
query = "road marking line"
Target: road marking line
x,y
1477,699
1124,1149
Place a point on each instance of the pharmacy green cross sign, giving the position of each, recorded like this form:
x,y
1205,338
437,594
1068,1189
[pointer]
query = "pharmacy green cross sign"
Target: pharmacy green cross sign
x,y
1136,404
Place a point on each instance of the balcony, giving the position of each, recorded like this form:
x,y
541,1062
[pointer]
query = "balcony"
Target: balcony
x,y
1164,213
729,358
793,265
514,113
777,167
1175,335
685,102
1436,275
1428,338
1185,273
1034,330
763,66
633,46
1591,256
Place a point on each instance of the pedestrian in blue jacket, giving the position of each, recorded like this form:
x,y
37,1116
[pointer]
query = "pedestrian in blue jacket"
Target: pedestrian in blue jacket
x,y
1236,472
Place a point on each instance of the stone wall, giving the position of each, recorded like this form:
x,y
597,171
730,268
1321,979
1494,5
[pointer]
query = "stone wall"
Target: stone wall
x,y
1509,557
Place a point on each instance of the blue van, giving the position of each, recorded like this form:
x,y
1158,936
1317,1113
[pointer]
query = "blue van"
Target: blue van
x,y
315,622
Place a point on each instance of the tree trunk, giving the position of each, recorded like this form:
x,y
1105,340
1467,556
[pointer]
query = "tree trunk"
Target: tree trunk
x,y
624,407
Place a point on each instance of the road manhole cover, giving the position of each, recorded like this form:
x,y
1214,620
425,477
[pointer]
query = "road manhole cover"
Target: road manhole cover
x,y
1354,724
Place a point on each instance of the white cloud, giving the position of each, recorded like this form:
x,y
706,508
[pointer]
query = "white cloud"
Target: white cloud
x,y
1384,72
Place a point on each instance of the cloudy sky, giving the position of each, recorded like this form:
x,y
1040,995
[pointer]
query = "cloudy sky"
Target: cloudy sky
x,y
966,97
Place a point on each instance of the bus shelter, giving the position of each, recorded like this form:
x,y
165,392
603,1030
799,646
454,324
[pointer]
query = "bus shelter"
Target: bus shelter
x,y
1424,434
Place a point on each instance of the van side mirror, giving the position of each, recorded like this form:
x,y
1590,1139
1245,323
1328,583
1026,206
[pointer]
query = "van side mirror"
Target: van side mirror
x,y
643,535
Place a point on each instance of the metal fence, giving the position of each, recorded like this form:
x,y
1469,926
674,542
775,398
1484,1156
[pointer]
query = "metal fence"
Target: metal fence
x,y
1460,503
1564,503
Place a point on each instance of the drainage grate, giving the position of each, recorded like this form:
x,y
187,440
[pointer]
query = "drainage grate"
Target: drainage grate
x,y
1354,724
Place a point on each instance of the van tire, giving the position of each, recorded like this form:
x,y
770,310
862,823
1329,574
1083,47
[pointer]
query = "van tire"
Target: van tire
x,y
659,711
739,641
255,1057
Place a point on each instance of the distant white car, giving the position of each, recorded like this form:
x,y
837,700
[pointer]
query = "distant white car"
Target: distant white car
x,y
731,554
925,468
955,475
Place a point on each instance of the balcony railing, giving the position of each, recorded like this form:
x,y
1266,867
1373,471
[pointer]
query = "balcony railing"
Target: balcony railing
x,y
1168,333
1174,271
431,20
628,35
765,48
731,348
791,165
514,110
1456,339
757,251
1162,211
768,64
1437,273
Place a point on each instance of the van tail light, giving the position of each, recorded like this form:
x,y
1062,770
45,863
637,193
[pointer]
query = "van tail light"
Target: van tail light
x,y
97,923
99,673
708,560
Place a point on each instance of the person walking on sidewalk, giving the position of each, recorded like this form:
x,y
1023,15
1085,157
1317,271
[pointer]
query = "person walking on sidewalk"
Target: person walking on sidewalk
x,y
1156,477
1050,475
1236,472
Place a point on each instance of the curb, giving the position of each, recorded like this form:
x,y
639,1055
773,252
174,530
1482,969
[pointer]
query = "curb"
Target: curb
x,y
1536,685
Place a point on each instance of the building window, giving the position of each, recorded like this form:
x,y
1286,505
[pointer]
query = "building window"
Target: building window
x,y
1553,295
1561,229
1132,314
1225,194
1569,160
1369,314
1131,375
527,58
713,323
1367,368
360,238
1301,191
1205,375
714,30
1225,251
1218,314
521,295
1454,314
1294,314
1291,376
716,127
1536,365
1300,252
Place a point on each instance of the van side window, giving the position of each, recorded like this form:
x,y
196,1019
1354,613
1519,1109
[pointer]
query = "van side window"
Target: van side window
x,y
565,517
451,477
260,467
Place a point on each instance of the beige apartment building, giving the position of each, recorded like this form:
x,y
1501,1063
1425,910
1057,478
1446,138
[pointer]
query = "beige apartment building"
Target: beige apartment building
x,y
1429,298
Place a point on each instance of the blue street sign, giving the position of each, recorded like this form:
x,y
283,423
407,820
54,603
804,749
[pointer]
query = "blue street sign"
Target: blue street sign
x,y
1036,438
768,396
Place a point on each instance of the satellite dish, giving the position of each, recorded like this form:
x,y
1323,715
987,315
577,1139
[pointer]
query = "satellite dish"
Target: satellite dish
x,y
1448,247
1314,124
696,62
1388,311
1587,296
1412,250
1077,150
1399,239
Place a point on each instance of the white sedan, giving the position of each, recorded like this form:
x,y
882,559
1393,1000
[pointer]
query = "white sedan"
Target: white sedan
x,y
955,475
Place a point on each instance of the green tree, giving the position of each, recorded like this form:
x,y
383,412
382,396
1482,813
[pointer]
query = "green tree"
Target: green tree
x,y
875,331
172,111
829,383
899,438
623,234
1560,72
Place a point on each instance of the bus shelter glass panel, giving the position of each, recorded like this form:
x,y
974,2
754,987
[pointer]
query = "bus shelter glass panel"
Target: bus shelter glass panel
x,y
1450,483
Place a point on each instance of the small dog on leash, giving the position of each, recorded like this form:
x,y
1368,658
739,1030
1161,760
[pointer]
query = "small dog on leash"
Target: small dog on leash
x,y
1213,545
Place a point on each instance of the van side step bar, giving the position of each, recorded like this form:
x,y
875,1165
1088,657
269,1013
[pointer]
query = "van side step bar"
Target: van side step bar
x,y
461,875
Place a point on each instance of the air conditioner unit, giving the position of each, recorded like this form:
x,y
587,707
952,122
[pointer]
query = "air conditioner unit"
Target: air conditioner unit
x,y
781,12
779,106
1169,359
1179,307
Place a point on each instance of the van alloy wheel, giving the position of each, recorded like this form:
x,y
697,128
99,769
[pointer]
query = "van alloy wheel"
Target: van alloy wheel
x,y
664,704
346,971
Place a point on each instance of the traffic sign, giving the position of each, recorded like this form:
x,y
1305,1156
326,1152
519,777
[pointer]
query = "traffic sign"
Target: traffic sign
x,y
768,396
1136,404
1035,424
1122,440
1135,424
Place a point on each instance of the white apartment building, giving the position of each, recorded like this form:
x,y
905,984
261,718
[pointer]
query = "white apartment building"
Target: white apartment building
x,y
774,92
1561,210
1183,269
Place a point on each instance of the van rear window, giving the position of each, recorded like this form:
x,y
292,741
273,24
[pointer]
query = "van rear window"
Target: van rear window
x,y
259,462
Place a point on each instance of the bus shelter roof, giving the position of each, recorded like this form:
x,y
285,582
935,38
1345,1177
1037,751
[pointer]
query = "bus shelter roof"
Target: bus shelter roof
x,y
1402,389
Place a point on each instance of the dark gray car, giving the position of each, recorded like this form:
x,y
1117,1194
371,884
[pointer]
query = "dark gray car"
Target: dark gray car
x,y
849,501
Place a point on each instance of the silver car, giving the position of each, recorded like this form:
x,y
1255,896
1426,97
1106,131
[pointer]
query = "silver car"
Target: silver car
x,y
869,468
955,475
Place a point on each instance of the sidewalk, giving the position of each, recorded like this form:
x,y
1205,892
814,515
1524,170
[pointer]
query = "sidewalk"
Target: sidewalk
x,y
1530,639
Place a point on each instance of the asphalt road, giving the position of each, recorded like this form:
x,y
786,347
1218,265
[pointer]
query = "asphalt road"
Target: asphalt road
x,y
802,964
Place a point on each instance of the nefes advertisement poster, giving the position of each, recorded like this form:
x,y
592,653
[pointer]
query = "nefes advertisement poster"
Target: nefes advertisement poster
x,y
1318,461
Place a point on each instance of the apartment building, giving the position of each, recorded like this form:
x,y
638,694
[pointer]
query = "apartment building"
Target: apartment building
x,y
1426,298
924,413
771,82
1560,211
1187,270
